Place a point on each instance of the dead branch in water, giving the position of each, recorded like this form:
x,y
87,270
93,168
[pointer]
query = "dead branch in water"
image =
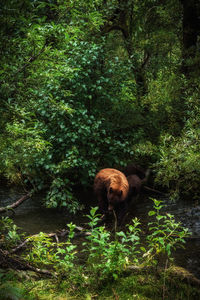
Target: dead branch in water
x,y
15,204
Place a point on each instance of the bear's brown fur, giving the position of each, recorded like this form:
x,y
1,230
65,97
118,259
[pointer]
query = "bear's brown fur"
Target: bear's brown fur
x,y
111,188
135,184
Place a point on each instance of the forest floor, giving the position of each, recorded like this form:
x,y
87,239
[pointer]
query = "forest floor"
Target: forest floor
x,y
28,285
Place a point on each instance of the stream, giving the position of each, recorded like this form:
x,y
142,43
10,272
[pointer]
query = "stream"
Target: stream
x,y
32,217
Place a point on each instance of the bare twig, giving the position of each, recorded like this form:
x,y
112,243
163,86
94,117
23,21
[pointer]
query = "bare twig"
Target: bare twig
x,y
115,225
41,271
115,294
57,239
164,286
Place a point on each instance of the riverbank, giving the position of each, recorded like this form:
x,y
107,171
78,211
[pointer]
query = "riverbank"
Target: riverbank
x,y
32,217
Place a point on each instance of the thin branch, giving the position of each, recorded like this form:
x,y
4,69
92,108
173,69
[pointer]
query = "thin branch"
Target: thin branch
x,y
17,263
56,235
15,204
41,271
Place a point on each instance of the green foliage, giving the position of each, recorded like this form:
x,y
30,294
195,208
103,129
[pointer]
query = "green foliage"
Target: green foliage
x,y
106,257
61,194
9,234
102,256
45,252
165,234
77,94
88,84
179,167
165,103
8,291
53,130
61,257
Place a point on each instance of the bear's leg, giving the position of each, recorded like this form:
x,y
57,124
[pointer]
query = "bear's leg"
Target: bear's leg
x,y
121,211
103,203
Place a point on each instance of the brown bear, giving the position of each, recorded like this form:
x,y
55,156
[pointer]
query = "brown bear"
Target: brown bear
x,y
111,188
135,185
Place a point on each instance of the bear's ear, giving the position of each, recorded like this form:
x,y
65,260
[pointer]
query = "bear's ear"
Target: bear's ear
x,y
110,190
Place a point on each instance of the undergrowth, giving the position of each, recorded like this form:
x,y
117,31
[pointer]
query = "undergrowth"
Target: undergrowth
x,y
115,265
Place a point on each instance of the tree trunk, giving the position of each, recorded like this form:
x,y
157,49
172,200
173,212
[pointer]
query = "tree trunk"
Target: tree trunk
x,y
191,30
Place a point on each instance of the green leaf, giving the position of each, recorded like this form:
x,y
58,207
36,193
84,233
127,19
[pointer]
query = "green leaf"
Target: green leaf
x,y
151,213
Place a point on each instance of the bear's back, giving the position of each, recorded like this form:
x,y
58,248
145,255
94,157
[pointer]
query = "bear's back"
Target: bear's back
x,y
135,184
111,177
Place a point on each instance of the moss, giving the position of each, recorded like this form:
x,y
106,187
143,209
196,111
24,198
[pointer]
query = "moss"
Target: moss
x,y
141,287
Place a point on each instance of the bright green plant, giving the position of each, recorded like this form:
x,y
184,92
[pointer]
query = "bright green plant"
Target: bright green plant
x,y
9,233
108,257
66,253
62,257
41,252
165,234
60,194
44,252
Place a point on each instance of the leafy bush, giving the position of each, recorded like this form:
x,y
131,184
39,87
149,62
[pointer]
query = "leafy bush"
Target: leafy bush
x,y
102,255
106,257
61,257
55,129
179,167
9,233
166,104
165,234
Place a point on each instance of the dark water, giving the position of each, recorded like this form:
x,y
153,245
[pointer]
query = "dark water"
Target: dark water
x,y
32,217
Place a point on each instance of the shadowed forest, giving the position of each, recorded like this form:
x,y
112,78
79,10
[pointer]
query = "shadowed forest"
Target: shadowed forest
x,y
87,85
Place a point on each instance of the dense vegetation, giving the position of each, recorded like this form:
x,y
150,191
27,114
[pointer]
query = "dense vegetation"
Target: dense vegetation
x,y
92,84
89,84
101,265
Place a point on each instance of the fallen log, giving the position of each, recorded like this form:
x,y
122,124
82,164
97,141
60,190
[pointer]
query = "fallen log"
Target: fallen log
x,y
15,204
17,263
184,275
174,271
